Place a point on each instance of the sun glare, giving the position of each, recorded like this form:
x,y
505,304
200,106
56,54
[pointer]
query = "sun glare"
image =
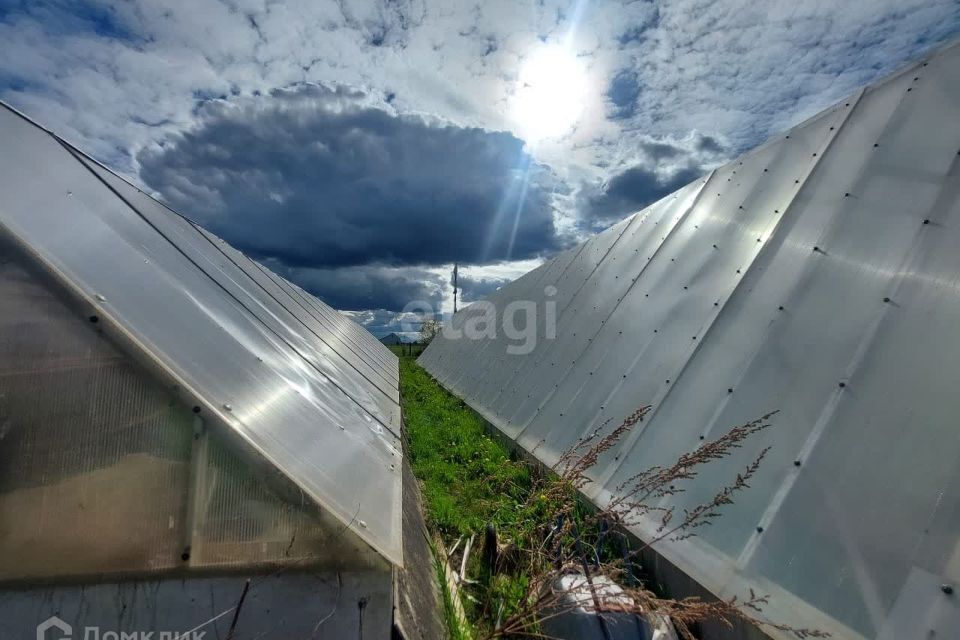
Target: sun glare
x,y
551,93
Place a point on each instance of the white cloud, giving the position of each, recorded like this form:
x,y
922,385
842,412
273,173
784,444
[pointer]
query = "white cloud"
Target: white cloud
x,y
118,77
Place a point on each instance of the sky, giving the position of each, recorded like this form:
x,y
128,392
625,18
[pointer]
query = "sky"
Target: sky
x,y
361,148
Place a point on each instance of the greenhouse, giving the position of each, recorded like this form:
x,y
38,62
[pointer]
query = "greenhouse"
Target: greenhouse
x,y
815,276
191,443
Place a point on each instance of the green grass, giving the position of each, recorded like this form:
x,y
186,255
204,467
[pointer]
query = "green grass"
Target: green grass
x,y
404,350
468,478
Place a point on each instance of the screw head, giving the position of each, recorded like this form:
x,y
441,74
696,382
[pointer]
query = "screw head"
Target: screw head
x,y
947,589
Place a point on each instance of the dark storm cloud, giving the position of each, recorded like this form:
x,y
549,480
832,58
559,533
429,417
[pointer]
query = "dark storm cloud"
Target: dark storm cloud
x,y
367,287
629,192
473,289
314,177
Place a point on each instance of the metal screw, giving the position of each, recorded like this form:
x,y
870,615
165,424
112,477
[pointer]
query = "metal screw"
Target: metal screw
x,y
227,407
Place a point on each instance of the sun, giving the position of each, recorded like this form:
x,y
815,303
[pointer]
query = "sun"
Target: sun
x,y
550,93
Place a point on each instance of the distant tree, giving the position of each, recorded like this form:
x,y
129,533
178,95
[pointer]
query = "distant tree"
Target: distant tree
x,y
429,330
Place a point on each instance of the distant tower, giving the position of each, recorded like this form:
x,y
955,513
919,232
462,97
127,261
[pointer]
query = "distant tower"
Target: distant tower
x,y
454,287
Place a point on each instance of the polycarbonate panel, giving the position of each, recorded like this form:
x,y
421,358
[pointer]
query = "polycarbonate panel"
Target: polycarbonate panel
x,y
351,334
309,413
238,522
475,353
574,277
318,344
94,455
817,275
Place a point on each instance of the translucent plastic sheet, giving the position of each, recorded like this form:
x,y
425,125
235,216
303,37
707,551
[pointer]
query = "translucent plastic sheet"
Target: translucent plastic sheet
x,y
298,388
818,275
104,471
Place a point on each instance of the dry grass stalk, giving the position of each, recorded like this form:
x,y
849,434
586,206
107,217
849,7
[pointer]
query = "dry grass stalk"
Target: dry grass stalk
x,y
574,540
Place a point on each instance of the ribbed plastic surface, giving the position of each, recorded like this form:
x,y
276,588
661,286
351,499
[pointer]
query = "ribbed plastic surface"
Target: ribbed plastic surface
x,y
818,274
308,390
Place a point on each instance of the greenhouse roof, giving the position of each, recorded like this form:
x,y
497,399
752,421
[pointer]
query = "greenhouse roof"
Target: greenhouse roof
x,y
313,394
817,275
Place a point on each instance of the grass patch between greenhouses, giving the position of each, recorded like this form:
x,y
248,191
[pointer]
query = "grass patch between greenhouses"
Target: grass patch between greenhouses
x,y
468,480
